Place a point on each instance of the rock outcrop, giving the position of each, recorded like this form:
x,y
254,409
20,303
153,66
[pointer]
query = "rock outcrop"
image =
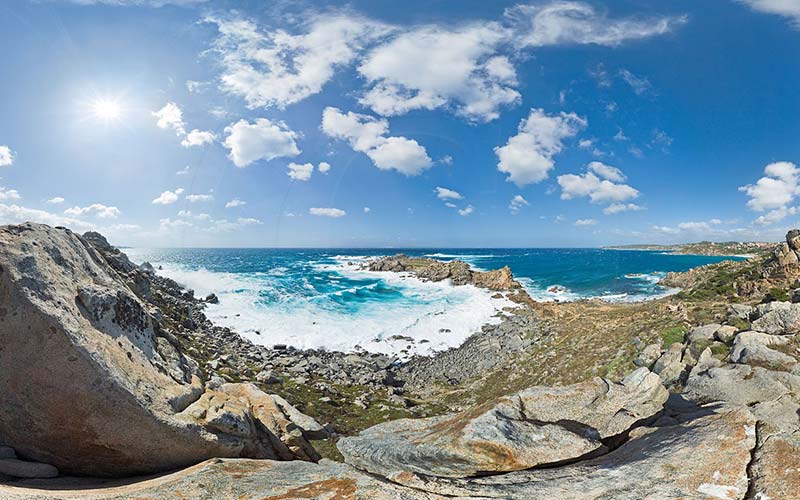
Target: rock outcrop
x,y
537,426
91,383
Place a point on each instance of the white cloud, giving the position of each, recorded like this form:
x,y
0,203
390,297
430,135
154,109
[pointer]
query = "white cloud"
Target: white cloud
x,y
570,22
775,191
261,140
324,167
517,202
639,84
367,134
327,212
137,3
447,194
55,200
236,202
616,208
585,222
433,66
15,214
607,172
450,205
168,197
528,156
193,198
598,184
171,117
300,172
785,8
6,156
367,210
9,194
96,209
183,171
278,68
198,138
466,211
774,216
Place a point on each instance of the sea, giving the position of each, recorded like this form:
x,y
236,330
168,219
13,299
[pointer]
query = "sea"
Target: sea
x,y
325,299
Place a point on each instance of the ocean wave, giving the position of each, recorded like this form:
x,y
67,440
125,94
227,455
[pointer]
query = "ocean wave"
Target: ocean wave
x,y
461,256
372,314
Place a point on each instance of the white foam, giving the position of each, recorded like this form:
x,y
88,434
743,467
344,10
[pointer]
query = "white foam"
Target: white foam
x,y
440,313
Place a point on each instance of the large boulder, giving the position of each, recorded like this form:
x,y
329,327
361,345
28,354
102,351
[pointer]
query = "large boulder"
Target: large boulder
x,y
92,385
753,348
540,425
780,318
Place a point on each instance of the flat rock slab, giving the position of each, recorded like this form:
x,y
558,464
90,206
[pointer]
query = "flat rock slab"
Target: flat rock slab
x,y
704,458
540,425
241,479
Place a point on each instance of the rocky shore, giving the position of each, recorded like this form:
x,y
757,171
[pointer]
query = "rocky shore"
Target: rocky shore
x,y
111,371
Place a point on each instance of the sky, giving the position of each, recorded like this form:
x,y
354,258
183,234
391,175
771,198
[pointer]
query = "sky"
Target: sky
x,y
457,123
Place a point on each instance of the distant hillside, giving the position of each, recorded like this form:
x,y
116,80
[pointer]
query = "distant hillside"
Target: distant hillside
x,y
706,248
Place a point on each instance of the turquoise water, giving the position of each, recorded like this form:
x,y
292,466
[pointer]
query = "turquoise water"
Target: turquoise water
x,y
312,298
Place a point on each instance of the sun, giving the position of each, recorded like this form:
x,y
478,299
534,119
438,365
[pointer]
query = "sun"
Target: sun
x,y
106,109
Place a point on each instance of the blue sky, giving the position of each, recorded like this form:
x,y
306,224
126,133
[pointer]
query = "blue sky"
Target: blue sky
x,y
446,123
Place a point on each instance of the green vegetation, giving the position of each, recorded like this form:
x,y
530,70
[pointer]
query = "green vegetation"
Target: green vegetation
x,y
777,294
673,335
719,285
740,324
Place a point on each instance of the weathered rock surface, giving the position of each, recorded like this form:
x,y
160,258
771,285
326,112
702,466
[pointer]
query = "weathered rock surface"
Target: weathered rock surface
x,y
705,457
90,382
540,425
228,479
21,468
754,348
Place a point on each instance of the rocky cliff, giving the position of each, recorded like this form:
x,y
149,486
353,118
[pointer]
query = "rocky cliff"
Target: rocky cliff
x,y
92,384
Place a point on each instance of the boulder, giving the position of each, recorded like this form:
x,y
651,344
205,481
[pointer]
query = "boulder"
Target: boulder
x,y
540,425
670,367
779,319
740,385
499,279
91,383
648,355
753,348
725,333
793,239
705,332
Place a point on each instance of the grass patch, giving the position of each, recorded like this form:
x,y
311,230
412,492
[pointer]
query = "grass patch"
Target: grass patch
x,y
739,323
777,294
673,335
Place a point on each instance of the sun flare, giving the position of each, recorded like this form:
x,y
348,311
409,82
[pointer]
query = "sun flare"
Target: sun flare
x,y
106,109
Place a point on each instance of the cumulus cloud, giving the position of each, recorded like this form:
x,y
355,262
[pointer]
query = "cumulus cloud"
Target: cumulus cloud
x,y
171,117
278,68
236,202
324,167
55,200
776,189
785,8
300,172
6,156
15,214
367,210
168,197
447,194
9,194
262,139
327,212
96,209
570,23
367,134
198,138
527,157
466,210
434,66
516,204
601,183
194,198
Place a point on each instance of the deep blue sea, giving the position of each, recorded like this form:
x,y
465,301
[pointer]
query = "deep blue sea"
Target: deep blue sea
x,y
313,298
